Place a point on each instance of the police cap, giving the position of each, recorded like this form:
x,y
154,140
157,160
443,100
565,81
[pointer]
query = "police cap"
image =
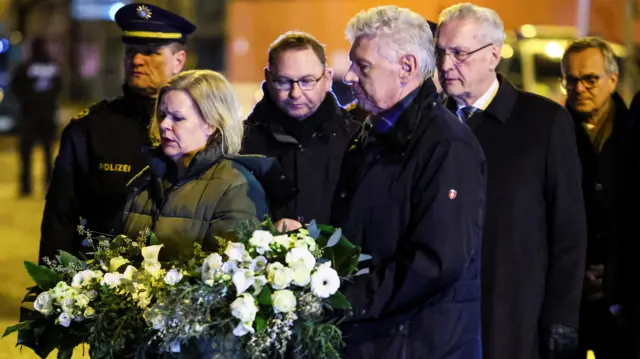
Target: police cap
x,y
145,24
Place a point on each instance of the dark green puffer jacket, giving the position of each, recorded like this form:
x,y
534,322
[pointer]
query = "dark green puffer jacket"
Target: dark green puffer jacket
x,y
210,200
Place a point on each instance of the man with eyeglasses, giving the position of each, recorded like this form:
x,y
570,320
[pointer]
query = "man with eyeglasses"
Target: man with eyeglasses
x,y
300,122
534,242
604,134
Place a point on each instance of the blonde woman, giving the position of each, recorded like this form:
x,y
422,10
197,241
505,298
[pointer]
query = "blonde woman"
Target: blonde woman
x,y
194,188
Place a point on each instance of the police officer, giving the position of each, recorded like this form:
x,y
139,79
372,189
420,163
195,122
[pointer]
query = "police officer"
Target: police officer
x,y
101,148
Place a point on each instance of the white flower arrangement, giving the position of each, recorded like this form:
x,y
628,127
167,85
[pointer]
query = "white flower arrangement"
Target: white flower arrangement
x,y
271,291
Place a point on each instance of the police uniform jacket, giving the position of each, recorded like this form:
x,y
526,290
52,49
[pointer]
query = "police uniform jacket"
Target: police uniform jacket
x,y
210,200
310,152
413,198
100,151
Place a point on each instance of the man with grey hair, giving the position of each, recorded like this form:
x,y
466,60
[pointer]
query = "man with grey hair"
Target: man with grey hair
x,y
604,133
411,194
534,241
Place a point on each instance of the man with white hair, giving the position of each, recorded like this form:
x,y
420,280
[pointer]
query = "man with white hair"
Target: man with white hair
x,y
534,244
411,194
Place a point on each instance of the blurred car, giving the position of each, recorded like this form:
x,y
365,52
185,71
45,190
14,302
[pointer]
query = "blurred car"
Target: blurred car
x,y
531,58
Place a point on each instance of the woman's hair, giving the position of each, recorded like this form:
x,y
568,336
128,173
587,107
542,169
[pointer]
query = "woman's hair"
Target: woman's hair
x,y
215,101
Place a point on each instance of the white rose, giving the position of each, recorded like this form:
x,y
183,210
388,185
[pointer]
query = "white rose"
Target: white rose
x,y
300,257
244,308
44,303
301,275
261,240
116,263
111,279
64,319
283,240
258,264
325,282
242,279
279,276
236,252
92,294
89,312
283,301
173,277
242,329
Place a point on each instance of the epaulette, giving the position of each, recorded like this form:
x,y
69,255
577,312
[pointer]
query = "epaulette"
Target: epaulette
x,y
90,109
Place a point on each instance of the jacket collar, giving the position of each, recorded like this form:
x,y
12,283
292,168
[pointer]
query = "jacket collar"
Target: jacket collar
x,y
406,124
326,119
162,166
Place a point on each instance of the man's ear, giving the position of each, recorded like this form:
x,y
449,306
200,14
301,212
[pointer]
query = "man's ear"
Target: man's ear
x,y
496,56
328,73
408,68
180,59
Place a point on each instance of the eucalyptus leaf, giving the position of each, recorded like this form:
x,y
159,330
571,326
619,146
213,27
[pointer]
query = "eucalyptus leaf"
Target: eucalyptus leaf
x,y
314,231
339,301
46,278
364,257
14,328
335,238
362,272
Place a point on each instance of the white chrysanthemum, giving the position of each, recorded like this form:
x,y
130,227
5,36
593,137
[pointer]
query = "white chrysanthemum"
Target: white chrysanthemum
x,y
300,257
325,282
261,240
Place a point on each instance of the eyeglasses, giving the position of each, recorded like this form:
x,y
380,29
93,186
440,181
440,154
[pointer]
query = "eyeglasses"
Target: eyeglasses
x,y
305,84
588,81
458,55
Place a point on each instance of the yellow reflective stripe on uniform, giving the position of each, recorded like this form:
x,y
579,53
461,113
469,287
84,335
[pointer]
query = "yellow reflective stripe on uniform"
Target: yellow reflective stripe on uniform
x,y
155,35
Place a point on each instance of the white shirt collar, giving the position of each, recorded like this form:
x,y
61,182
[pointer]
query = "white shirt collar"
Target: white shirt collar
x,y
485,99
